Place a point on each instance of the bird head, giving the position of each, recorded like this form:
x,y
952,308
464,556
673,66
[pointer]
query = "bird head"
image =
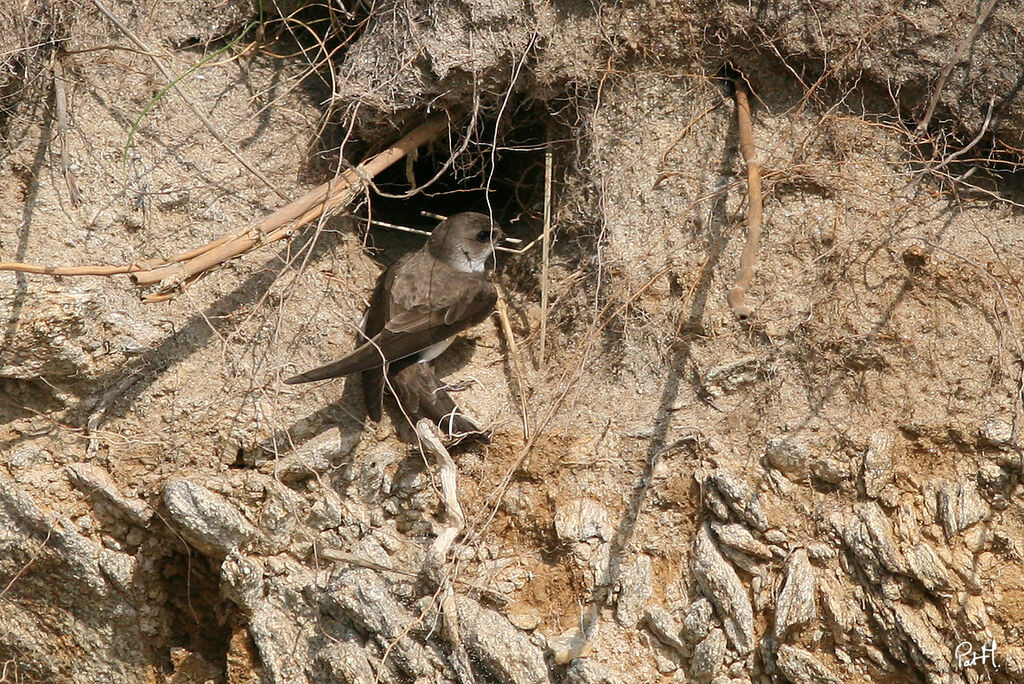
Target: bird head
x,y
465,241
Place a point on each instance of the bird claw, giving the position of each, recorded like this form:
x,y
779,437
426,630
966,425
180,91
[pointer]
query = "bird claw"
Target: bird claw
x,y
460,386
458,426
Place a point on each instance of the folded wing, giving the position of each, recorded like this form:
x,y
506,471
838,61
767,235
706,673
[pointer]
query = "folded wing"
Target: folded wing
x,y
423,311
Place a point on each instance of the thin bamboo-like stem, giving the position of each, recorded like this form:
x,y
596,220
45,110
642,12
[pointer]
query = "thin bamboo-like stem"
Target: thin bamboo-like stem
x,y
517,365
545,253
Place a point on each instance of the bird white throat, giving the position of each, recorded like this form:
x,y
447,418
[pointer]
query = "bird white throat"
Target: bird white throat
x,y
464,262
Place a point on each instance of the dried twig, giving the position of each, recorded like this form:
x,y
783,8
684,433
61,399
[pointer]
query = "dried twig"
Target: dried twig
x,y
60,96
450,615
311,206
737,295
545,253
426,233
517,366
395,226
948,69
24,568
338,556
21,267
431,441
186,267
961,152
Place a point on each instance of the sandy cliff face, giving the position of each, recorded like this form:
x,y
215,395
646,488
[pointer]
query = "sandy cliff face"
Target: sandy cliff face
x,y
826,493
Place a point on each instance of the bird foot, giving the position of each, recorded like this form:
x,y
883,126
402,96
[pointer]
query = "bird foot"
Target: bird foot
x,y
460,386
459,426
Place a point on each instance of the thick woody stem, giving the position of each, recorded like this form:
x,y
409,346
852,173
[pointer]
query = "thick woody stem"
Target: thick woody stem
x,y
431,441
311,206
737,295
184,268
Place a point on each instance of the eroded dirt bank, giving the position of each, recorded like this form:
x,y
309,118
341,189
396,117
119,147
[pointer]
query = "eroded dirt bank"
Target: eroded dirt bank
x,y
826,493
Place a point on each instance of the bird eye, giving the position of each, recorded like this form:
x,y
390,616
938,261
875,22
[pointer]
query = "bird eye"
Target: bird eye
x,y
484,236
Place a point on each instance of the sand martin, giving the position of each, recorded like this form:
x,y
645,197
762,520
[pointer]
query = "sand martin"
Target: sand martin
x,y
420,303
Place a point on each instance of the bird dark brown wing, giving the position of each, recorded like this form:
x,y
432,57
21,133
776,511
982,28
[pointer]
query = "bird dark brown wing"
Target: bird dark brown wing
x,y
428,302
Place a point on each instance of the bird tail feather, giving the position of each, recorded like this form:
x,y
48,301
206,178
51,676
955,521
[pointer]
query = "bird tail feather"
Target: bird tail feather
x,y
364,358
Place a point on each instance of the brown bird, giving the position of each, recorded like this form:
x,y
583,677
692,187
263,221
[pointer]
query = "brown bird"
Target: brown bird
x,y
420,303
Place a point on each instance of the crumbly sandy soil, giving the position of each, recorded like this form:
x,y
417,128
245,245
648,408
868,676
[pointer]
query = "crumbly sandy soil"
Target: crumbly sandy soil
x,y
828,492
